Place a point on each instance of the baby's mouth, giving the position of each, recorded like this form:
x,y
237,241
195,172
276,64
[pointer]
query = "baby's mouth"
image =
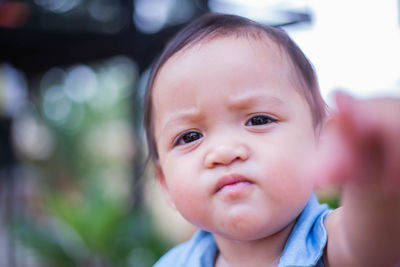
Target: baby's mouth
x,y
231,181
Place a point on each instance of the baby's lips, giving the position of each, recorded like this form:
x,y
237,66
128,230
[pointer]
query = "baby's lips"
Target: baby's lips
x,y
229,180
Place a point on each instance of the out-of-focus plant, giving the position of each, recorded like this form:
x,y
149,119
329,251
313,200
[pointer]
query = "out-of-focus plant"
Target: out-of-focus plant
x,y
329,195
93,231
82,138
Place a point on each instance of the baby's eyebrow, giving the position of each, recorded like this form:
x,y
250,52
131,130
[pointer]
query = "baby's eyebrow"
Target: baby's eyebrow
x,y
182,116
247,100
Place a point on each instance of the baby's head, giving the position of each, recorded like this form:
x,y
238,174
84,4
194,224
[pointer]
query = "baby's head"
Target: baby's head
x,y
231,109
212,26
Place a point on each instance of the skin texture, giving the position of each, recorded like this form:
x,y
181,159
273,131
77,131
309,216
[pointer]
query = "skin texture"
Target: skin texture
x,y
239,157
214,89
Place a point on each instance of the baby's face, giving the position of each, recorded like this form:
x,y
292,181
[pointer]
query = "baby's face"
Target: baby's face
x,y
231,131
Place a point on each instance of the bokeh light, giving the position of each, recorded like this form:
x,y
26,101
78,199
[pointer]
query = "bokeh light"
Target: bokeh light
x,y
58,6
272,12
56,105
104,10
80,83
33,139
151,16
13,91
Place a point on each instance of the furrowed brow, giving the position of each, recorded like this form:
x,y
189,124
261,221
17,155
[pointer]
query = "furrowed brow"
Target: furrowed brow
x,y
247,100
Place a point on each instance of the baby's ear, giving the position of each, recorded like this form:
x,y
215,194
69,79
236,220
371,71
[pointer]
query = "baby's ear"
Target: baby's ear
x,y
161,179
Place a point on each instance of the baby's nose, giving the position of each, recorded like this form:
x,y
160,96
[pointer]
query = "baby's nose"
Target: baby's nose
x,y
225,155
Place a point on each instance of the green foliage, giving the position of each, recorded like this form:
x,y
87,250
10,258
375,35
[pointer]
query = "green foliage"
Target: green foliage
x,y
90,213
43,242
95,229
332,200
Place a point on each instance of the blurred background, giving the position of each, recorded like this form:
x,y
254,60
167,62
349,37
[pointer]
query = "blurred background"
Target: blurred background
x,y
74,187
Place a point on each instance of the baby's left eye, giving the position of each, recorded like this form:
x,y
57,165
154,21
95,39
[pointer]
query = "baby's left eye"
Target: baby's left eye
x,y
259,120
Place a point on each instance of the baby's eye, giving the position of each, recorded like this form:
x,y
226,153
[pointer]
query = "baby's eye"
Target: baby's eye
x,y
188,137
259,120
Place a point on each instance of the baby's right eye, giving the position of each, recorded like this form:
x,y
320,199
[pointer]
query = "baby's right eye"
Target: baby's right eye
x,y
188,137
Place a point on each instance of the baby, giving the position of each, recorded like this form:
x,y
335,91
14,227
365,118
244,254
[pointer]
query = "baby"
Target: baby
x,y
239,137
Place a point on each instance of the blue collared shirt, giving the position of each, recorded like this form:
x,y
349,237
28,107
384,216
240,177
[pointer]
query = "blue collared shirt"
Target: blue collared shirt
x,y
303,248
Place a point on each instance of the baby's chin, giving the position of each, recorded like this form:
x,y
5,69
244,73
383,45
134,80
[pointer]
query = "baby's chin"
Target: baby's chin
x,y
248,236
252,230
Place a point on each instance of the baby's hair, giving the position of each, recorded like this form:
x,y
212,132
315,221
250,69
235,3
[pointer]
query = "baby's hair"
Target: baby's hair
x,y
213,25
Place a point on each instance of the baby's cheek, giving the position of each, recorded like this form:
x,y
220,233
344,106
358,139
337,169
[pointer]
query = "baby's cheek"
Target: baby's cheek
x,y
287,180
189,201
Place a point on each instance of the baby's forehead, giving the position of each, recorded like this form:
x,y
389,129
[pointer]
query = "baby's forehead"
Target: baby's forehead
x,y
233,61
258,46
254,37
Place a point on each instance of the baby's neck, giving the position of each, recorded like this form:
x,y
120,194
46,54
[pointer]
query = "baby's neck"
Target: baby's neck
x,y
261,252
